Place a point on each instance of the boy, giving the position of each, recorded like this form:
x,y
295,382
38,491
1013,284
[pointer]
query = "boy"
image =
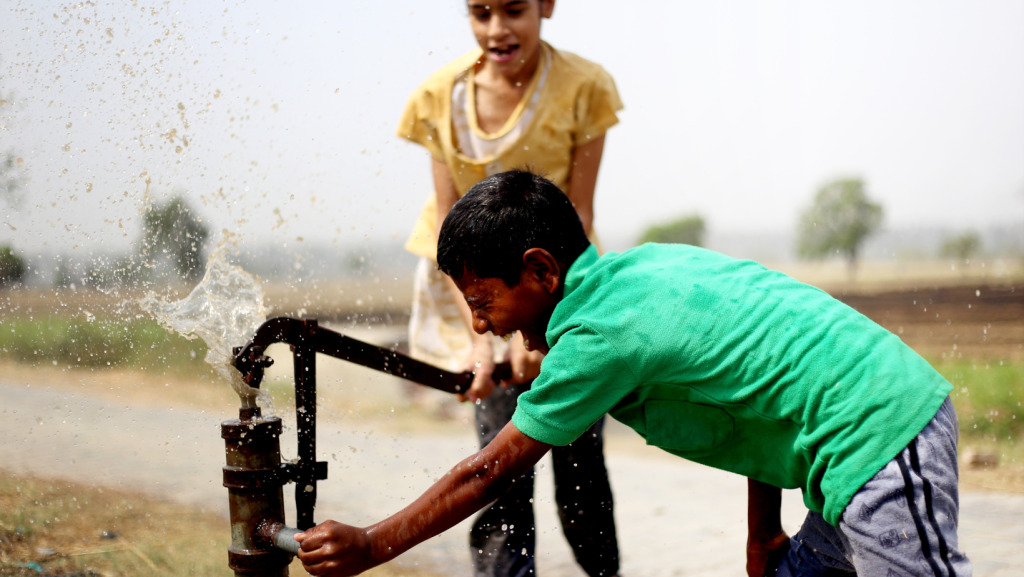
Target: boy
x,y
514,101
716,360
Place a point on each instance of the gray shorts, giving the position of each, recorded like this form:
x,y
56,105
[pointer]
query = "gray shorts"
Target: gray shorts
x,y
902,522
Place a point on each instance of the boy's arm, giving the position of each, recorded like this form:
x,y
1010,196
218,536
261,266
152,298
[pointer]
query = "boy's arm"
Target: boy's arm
x,y
766,541
335,549
481,361
586,160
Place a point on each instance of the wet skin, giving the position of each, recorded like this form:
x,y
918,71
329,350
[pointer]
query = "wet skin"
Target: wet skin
x,y
336,549
767,543
526,307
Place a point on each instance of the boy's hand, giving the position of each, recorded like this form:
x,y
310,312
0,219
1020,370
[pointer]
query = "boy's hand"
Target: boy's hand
x,y
336,550
763,556
766,541
525,364
481,362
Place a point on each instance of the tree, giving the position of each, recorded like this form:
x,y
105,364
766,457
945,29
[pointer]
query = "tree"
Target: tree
x,y
962,247
12,267
12,168
172,228
12,181
686,230
12,177
838,221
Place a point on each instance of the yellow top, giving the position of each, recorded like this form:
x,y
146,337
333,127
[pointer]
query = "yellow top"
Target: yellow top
x,y
578,103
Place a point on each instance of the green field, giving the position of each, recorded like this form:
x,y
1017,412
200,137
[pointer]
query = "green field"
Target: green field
x,y
73,342
988,397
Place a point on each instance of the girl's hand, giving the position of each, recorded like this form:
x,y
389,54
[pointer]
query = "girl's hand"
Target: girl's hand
x,y
481,362
336,550
525,364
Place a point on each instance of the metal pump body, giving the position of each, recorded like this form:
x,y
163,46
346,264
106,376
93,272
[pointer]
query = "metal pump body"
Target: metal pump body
x,y
262,545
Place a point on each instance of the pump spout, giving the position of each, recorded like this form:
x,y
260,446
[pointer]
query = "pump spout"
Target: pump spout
x,y
270,533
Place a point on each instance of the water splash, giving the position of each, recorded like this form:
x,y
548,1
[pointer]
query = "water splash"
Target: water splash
x,y
224,310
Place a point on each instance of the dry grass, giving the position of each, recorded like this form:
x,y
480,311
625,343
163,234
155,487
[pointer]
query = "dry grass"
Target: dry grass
x,y
1007,476
833,276
69,528
379,297
374,297
66,528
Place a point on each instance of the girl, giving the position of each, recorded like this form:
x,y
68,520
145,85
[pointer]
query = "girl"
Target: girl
x,y
514,102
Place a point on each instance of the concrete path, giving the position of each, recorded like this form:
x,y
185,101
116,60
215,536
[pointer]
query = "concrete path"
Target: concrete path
x,y
675,518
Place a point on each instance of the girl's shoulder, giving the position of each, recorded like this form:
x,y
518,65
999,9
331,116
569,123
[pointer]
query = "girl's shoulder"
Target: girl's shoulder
x,y
441,81
577,68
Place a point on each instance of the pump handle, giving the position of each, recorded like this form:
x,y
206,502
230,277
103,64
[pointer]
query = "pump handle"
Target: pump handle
x,y
307,338
251,361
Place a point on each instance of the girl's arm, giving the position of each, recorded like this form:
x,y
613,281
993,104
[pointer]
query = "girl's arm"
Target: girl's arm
x,y
444,188
335,549
482,359
586,160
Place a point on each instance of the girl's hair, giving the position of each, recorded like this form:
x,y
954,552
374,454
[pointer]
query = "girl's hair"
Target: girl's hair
x,y
503,216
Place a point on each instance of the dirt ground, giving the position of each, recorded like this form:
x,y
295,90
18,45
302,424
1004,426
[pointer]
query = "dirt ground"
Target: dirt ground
x,y
380,464
982,321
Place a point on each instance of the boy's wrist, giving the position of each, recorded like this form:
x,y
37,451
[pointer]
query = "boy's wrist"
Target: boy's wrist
x,y
765,536
763,556
376,548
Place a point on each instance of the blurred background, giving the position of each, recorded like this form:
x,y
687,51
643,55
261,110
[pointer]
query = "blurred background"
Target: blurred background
x,y
277,122
874,149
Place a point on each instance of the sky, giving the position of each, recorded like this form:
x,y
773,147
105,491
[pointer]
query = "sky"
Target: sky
x,y
276,119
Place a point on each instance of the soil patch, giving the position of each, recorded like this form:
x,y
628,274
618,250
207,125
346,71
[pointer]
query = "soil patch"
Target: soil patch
x,y
976,321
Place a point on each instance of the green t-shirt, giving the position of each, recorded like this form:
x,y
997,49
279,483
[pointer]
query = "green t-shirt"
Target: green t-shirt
x,y
726,363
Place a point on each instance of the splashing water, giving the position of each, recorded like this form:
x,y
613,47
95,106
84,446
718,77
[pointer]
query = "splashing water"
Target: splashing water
x,y
224,310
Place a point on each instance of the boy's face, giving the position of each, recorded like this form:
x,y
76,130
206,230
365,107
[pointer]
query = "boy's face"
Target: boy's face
x,y
508,31
526,307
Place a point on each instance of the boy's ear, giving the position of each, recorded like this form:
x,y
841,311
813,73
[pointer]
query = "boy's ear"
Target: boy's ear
x,y
547,8
540,267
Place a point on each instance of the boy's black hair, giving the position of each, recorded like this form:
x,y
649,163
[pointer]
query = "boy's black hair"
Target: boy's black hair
x,y
503,216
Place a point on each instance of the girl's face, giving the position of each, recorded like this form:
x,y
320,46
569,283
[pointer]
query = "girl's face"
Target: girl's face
x,y
508,31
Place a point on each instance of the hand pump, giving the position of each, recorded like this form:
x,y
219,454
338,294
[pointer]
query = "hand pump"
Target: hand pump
x,y
261,544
